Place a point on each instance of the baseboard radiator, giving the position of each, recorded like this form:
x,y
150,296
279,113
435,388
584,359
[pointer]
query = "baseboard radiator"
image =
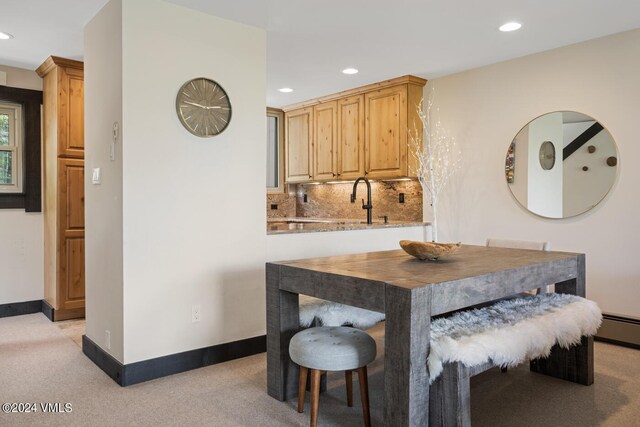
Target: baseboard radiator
x,y
620,330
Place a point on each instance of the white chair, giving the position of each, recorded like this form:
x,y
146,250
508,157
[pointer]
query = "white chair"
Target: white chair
x,y
518,244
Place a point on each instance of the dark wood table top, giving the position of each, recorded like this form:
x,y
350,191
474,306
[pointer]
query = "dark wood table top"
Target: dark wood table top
x,y
398,268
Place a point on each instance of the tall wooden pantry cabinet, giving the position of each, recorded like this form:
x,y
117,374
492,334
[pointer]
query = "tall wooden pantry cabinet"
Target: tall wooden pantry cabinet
x,y
63,129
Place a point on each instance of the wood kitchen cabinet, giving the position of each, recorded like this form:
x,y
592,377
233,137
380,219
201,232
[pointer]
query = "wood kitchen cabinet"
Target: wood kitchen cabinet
x,y
63,119
298,145
325,141
386,132
351,137
358,132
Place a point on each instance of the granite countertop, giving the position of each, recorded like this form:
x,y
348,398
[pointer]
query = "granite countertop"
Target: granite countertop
x,y
313,225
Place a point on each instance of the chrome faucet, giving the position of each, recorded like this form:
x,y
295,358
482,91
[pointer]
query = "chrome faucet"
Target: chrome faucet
x,y
368,206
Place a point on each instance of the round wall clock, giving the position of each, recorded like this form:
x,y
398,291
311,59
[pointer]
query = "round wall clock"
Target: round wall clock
x,y
547,155
203,107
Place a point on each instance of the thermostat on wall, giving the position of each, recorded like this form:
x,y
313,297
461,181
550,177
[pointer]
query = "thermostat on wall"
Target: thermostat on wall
x,y
96,178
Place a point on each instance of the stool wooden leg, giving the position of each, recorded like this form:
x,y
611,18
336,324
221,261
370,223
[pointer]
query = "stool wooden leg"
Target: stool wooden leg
x,y
302,387
348,376
315,396
364,395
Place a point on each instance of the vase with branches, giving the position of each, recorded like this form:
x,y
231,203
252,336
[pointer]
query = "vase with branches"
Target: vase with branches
x,y
437,156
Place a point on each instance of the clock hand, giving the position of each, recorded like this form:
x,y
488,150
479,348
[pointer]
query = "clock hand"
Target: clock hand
x,y
193,103
202,106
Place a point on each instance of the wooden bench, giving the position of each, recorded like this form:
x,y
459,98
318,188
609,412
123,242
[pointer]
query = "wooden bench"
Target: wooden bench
x,y
504,334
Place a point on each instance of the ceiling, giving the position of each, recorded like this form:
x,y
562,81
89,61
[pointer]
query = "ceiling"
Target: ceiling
x,y
310,42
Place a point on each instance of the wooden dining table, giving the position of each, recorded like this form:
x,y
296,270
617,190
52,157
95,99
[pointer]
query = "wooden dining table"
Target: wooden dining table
x,y
410,292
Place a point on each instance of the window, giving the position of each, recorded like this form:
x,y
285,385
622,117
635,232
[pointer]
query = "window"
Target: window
x,y
275,151
20,149
11,146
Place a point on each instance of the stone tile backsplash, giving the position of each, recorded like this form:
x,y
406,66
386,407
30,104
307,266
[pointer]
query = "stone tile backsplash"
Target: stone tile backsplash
x,y
286,205
333,201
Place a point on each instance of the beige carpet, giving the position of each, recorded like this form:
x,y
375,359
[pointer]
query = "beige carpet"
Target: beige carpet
x,y
74,329
39,363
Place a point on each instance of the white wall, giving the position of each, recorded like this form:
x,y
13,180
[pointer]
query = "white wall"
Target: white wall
x,y
103,207
19,77
309,245
21,234
484,108
193,208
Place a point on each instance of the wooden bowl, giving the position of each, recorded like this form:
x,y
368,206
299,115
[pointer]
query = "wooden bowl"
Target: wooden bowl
x,y
429,250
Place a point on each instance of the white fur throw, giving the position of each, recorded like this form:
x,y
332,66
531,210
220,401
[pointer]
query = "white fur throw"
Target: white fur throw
x,y
334,314
511,331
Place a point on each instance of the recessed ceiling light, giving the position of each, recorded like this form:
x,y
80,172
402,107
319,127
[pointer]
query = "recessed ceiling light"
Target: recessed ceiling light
x,y
350,71
285,90
510,26
5,36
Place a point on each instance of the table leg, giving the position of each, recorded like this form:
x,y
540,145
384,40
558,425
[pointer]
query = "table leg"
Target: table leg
x,y
406,377
576,363
450,397
283,321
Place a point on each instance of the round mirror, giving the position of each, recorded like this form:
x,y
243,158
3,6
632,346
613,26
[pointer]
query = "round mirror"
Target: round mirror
x,y
561,164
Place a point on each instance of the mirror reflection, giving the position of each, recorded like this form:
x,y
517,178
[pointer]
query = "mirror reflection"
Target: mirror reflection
x,y
275,151
561,164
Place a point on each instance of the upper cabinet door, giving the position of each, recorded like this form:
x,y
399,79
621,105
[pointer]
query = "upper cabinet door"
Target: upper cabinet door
x,y
298,144
351,137
325,151
386,132
71,112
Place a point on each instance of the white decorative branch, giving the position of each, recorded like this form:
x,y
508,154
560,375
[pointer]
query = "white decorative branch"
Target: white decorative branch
x,y
437,156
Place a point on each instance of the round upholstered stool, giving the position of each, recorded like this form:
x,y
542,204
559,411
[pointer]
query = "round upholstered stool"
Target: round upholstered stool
x,y
325,349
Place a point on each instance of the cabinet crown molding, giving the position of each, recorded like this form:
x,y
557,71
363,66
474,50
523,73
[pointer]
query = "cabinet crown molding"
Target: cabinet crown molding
x,y
408,79
55,61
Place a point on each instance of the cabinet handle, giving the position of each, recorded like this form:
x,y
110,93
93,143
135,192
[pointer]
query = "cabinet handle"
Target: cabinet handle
x,y
332,173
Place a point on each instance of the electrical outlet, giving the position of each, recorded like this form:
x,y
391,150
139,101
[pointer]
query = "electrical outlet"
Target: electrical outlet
x,y
195,313
305,199
274,207
107,339
401,198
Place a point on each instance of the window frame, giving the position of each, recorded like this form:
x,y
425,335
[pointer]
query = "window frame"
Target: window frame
x,y
279,115
16,146
30,198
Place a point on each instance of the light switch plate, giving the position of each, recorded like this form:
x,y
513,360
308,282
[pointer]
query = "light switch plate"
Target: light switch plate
x,y
96,177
